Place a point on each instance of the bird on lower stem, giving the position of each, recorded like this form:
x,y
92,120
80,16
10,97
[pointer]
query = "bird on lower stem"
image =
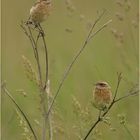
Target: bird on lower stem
x,y
102,96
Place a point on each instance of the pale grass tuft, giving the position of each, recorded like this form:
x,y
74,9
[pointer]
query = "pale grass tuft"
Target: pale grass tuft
x,y
97,133
119,36
107,120
128,5
22,92
122,118
70,7
22,123
76,106
113,129
120,3
68,30
58,130
82,17
29,71
120,16
37,122
84,113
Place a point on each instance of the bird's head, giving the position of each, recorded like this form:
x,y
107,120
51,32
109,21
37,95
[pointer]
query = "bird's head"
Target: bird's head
x,y
102,85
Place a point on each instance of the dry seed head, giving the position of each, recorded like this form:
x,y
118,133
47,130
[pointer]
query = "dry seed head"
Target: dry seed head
x,y
120,3
112,129
97,133
127,5
89,24
37,122
119,36
77,106
119,16
122,118
82,17
70,7
68,2
58,129
107,121
22,92
22,123
68,30
29,71
114,32
134,23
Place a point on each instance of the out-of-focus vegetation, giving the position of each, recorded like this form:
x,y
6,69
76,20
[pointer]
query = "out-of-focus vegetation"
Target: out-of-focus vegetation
x,y
113,50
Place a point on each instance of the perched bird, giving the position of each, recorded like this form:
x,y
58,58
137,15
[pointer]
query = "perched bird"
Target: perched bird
x,y
40,11
102,95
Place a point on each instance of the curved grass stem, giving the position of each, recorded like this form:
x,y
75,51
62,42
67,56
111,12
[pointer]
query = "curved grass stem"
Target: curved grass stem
x,y
21,111
66,73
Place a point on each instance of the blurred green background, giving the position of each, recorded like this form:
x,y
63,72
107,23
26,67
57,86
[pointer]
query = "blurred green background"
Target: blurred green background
x,y
115,49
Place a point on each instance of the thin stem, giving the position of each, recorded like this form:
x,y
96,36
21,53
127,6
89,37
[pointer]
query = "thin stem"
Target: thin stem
x,y
129,28
35,49
45,88
94,24
128,95
21,111
74,60
42,87
44,132
103,26
46,54
115,95
27,34
47,92
99,116
37,38
50,116
118,84
128,131
93,126
37,56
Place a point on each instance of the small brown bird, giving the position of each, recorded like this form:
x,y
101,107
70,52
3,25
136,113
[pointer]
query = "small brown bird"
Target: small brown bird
x,y
102,95
40,11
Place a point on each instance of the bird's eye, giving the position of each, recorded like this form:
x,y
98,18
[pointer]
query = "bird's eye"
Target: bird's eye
x,y
102,84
